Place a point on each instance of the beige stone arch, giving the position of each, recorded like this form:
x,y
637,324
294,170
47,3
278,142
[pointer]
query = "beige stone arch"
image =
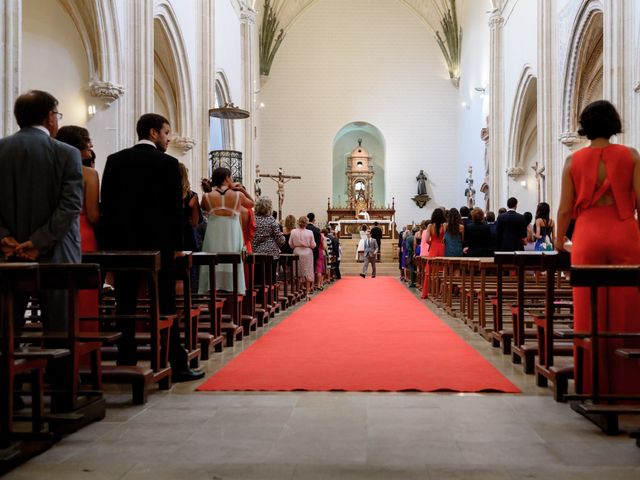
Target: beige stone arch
x,y
172,77
583,76
524,129
97,24
222,96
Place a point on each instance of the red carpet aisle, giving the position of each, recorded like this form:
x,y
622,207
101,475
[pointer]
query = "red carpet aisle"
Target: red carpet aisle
x,y
361,335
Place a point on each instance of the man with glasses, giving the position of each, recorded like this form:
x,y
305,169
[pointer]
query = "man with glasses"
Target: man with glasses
x,y
40,196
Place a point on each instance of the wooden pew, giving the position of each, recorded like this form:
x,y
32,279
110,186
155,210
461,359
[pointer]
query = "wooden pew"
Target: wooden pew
x,y
546,322
598,407
16,448
249,317
261,270
138,376
210,327
188,314
85,405
232,309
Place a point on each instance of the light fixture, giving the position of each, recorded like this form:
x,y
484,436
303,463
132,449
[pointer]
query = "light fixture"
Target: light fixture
x,y
465,105
523,183
229,112
482,91
91,110
262,105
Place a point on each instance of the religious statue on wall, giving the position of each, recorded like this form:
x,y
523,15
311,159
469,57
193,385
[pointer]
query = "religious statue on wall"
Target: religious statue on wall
x,y
470,192
257,189
422,197
484,188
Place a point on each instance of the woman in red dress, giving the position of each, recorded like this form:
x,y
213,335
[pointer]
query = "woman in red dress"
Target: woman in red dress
x,y
435,238
601,191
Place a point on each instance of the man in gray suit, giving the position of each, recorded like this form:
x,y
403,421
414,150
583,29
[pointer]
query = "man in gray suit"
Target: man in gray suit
x,y
40,196
370,254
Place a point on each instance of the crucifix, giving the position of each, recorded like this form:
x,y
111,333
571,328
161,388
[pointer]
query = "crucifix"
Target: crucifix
x,y
540,179
280,179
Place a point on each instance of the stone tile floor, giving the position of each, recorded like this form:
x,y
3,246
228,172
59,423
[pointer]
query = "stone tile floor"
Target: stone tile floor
x,y
184,434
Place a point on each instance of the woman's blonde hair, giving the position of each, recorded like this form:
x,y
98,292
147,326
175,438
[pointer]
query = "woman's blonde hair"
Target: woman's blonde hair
x,y
290,222
303,221
184,175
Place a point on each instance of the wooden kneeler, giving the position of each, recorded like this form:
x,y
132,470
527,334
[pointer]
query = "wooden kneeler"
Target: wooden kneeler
x,y
188,314
232,309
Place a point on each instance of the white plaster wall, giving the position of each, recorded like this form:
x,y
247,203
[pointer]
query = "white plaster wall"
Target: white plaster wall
x,y
474,74
54,59
361,60
520,30
228,59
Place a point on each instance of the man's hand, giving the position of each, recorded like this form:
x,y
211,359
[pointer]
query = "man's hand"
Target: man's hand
x,y
8,245
26,251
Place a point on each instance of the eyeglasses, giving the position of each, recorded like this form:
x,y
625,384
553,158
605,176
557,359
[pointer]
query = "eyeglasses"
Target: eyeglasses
x,y
58,115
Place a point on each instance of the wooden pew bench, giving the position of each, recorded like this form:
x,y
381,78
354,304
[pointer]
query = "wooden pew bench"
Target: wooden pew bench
x,y
210,334
601,409
140,377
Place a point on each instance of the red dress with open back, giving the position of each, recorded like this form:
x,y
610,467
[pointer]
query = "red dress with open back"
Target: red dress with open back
x,y
607,235
436,249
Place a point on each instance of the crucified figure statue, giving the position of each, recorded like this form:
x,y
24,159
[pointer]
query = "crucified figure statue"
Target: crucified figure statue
x,y
280,180
540,179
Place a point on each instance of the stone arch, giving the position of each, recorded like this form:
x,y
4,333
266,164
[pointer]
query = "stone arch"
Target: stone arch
x,y
173,82
344,142
523,121
583,78
97,24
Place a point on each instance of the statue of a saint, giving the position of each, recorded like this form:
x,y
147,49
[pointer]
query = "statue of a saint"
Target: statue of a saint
x,y
422,183
470,192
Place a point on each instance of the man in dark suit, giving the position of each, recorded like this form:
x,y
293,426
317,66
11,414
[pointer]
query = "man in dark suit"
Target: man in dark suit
x,y
511,228
376,233
142,210
316,238
40,197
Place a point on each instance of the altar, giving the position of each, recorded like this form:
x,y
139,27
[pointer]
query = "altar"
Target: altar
x,y
351,228
360,209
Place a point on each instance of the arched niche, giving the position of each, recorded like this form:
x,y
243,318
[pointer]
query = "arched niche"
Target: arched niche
x,y
343,143
172,80
54,58
523,143
221,130
583,80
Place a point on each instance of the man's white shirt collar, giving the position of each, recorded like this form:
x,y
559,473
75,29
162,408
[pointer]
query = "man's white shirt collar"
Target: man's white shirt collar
x,y
144,141
42,128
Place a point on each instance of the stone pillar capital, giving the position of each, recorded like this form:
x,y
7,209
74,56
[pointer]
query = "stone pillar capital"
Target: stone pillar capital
x,y
496,21
248,15
106,91
182,144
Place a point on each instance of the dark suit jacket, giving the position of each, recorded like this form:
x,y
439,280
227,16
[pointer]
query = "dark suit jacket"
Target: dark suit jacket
x,y
316,238
477,237
41,194
376,232
511,228
142,201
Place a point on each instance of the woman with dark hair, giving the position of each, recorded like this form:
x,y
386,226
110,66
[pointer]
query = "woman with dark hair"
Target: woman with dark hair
x,y
454,234
477,236
224,232
601,190
435,238
543,228
90,214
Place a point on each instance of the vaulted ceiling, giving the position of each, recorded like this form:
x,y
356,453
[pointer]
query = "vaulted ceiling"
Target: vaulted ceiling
x,y
290,10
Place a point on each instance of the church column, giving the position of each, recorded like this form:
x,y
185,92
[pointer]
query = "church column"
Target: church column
x,y
10,33
496,106
249,81
206,88
616,30
140,62
548,145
